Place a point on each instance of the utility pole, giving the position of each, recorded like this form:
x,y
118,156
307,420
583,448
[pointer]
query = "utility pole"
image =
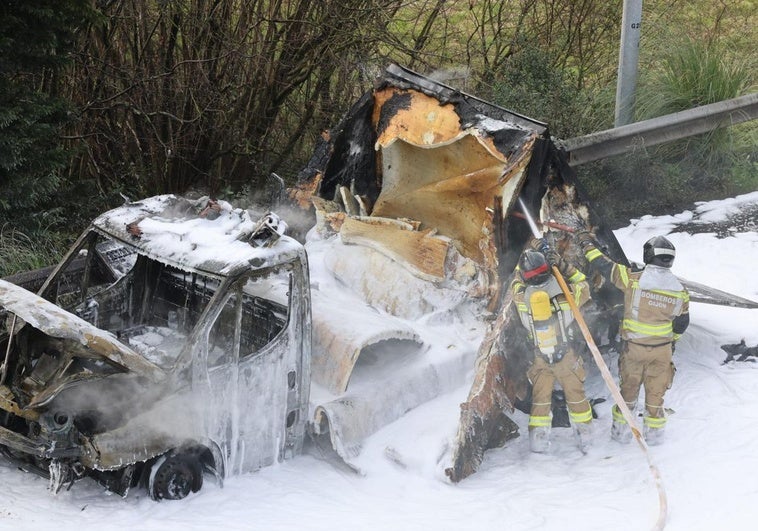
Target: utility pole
x,y
629,51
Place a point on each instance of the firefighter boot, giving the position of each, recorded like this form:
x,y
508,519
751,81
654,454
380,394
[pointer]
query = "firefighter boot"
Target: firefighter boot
x,y
653,430
539,439
620,431
583,434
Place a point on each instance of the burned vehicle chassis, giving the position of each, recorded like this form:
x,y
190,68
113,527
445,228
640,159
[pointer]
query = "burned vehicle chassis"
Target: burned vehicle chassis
x,y
132,366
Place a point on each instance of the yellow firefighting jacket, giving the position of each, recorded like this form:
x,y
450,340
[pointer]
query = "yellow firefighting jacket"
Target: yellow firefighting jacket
x,y
656,305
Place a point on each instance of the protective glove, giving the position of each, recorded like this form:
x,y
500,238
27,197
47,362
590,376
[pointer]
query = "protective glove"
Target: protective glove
x,y
543,246
552,257
584,239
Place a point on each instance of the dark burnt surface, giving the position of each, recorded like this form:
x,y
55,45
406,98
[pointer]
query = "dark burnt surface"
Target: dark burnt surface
x,y
349,158
397,102
744,220
468,106
353,158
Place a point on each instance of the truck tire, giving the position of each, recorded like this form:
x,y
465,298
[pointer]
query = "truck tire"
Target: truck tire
x,y
174,476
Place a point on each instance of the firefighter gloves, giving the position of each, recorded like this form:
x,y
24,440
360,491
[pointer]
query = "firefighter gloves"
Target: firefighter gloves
x,y
553,258
584,239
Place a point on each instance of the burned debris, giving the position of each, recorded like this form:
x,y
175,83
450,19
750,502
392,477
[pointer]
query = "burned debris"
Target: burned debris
x,y
426,179
740,352
182,337
429,177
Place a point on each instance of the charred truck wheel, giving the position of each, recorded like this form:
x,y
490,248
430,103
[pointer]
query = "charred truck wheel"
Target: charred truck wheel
x,y
174,475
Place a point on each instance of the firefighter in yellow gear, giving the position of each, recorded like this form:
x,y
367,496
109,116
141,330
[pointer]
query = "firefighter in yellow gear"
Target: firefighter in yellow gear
x,y
656,313
545,313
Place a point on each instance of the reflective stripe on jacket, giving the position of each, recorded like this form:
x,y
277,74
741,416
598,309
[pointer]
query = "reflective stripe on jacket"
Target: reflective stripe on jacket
x,y
653,298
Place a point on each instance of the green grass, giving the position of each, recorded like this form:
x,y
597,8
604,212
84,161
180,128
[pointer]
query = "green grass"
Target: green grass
x,y
693,74
20,252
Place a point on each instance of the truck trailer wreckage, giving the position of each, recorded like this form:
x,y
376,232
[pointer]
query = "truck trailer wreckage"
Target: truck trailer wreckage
x,y
181,337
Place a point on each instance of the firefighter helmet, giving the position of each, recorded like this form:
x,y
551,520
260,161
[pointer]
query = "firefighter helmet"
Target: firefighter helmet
x,y
533,266
659,251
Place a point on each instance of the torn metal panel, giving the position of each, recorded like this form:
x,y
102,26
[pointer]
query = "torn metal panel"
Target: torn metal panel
x,y
446,170
383,393
58,323
447,187
484,423
415,149
422,251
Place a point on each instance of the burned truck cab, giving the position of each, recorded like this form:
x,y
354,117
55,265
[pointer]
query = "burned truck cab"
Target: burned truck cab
x,y
172,340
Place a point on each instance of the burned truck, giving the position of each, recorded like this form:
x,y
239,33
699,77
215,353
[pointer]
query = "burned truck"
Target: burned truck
x,y
180,337
172,340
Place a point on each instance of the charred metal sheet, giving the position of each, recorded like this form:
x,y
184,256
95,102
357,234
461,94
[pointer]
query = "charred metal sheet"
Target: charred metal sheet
x,y
9,403
709,295
471,106
739,352
447,187
302,192
384,396
19,443
413,117
484,423
56,322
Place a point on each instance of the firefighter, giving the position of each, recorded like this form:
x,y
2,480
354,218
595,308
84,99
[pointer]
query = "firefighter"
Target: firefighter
x,y
546,315
656,313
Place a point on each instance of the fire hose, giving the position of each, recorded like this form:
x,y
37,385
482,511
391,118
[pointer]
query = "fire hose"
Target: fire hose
x,y
608,378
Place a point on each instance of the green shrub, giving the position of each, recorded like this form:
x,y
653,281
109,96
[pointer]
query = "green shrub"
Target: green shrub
x,y
21,252
532,85
693,74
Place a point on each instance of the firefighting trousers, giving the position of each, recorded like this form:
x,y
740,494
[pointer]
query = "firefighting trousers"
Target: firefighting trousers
x,y
570,375
649,366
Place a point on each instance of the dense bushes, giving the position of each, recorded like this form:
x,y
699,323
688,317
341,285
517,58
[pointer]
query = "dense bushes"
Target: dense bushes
x,y
142,97
670,177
